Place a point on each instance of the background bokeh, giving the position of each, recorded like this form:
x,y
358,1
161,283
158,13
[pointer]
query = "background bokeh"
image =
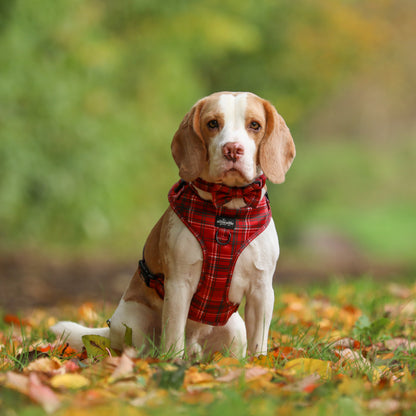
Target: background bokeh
x,y
91,93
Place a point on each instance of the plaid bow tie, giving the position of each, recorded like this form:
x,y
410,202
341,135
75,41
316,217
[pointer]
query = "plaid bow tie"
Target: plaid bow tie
x,y
221,194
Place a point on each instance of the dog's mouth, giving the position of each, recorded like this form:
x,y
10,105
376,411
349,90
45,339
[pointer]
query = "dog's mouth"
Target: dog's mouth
x,y
235,177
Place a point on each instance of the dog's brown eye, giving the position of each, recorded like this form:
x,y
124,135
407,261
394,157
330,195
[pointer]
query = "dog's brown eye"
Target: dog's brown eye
x,y
255,126
212,124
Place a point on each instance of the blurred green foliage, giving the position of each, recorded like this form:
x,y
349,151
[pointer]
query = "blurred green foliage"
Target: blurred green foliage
x,y
92,92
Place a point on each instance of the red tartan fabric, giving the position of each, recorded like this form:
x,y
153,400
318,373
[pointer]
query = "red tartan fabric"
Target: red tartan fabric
x,y
222,234
221,194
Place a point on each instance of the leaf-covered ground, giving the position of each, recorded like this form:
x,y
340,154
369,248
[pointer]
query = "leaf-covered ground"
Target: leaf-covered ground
x,y
345,348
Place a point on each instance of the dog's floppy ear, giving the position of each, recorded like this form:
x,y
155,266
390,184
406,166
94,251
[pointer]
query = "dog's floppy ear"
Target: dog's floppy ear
x,y
277,149
188,147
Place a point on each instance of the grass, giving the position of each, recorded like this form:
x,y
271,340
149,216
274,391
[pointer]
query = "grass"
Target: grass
x,y
346,347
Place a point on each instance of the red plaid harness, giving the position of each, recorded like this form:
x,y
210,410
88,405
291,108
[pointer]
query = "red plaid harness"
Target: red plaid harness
x,y
223,234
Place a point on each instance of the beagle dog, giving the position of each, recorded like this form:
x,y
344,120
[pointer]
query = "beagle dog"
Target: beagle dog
x,y
215,244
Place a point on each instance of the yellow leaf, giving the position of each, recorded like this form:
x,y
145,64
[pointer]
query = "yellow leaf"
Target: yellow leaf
x,y
351,386
406,375
193,376
265,360
69,381
305,366
226,361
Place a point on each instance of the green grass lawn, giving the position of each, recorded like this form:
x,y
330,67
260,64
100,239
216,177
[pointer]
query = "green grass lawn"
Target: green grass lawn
x,y
346,347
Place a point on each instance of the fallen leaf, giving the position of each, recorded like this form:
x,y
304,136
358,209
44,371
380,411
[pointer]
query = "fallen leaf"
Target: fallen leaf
x,y
399,291
300,366
254,373
69,381
97,346
248,374
17,382
60,350
128,336
194,376
349,315
45,365
71,366
230,376
307,384
123,369
404,343
352,358
351,386
346,342
15,320
87,312
387,406
222,361
42,394
287,353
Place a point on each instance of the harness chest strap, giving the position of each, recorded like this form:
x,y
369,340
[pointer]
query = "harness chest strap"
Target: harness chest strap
x,y
222,234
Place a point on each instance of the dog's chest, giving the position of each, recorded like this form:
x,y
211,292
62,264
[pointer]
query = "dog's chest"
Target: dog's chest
x,y
223,234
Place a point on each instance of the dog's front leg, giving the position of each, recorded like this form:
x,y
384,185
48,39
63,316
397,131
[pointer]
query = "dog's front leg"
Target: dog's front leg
x,y
258,315
178,297
182,258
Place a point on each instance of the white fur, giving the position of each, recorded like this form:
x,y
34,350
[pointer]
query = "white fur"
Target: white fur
x,y
234,131
165,322
72,333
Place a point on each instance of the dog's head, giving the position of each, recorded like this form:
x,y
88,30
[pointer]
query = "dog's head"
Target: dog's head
x,y
231,138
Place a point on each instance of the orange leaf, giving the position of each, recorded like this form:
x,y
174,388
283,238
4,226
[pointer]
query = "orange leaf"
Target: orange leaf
x,y
222,361
87,313
346,342
287,353
193,376
15,320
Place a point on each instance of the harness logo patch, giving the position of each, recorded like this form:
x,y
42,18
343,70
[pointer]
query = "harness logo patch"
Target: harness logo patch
x,y
225,222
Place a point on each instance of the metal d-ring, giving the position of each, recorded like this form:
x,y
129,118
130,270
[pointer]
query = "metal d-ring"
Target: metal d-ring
x,y
220,242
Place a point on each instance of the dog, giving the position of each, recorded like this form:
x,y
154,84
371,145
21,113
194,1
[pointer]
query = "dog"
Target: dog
x,y
215,244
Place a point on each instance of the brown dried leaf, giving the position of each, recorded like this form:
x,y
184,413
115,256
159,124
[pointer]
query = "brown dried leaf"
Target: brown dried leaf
x,y
386,406
45,365
393,344
124,368
307,384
